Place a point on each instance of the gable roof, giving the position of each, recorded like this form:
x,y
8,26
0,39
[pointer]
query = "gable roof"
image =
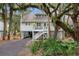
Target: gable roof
x,y
35,18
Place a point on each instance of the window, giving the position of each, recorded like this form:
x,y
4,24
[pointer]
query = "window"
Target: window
x,y
27,23
44,24
38,24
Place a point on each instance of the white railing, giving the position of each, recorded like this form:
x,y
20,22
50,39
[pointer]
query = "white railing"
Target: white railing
x,y
38,35
38,27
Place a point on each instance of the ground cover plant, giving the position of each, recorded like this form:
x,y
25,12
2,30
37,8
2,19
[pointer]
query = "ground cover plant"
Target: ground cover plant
x,y
55,47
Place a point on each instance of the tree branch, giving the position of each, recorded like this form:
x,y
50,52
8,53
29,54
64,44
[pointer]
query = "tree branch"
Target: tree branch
x,y
51,6
56,8
46,9
65,28
67,6
60,15
22,7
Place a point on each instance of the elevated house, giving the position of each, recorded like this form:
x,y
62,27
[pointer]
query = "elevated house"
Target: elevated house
x,y
36,25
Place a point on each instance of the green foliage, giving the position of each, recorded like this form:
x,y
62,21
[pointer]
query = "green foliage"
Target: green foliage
x,y
35,46
54,47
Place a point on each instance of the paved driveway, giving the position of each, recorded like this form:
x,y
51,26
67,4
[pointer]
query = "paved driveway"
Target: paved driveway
x,y
13,47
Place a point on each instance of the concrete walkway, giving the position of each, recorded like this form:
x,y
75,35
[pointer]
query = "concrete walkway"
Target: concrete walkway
x,y
13,47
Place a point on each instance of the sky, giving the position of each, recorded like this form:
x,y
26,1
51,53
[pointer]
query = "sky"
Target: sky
x,y
36,11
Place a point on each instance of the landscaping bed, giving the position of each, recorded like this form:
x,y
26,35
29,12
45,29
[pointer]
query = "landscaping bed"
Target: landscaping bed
x,y
54,47
3,41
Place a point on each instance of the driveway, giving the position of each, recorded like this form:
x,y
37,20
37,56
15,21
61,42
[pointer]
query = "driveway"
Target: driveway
x,y
13,47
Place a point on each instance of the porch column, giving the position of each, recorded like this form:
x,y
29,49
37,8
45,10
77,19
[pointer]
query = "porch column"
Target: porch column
x,y
22,34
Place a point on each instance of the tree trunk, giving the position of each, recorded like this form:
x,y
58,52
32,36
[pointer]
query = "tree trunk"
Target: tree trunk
x,y
65,28
55,32
10,21
75,18
56,27
49,33
4,17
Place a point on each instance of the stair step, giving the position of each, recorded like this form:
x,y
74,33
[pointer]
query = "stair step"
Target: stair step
x,y
38,35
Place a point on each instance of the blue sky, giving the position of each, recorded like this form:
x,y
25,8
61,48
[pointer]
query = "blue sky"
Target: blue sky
x,y
35,10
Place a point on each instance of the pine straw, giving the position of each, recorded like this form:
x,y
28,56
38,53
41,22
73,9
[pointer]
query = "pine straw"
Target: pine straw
x,y
3,41
27,52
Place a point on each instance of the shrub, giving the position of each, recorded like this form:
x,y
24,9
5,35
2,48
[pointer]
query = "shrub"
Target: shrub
x,y
52,46
35,46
